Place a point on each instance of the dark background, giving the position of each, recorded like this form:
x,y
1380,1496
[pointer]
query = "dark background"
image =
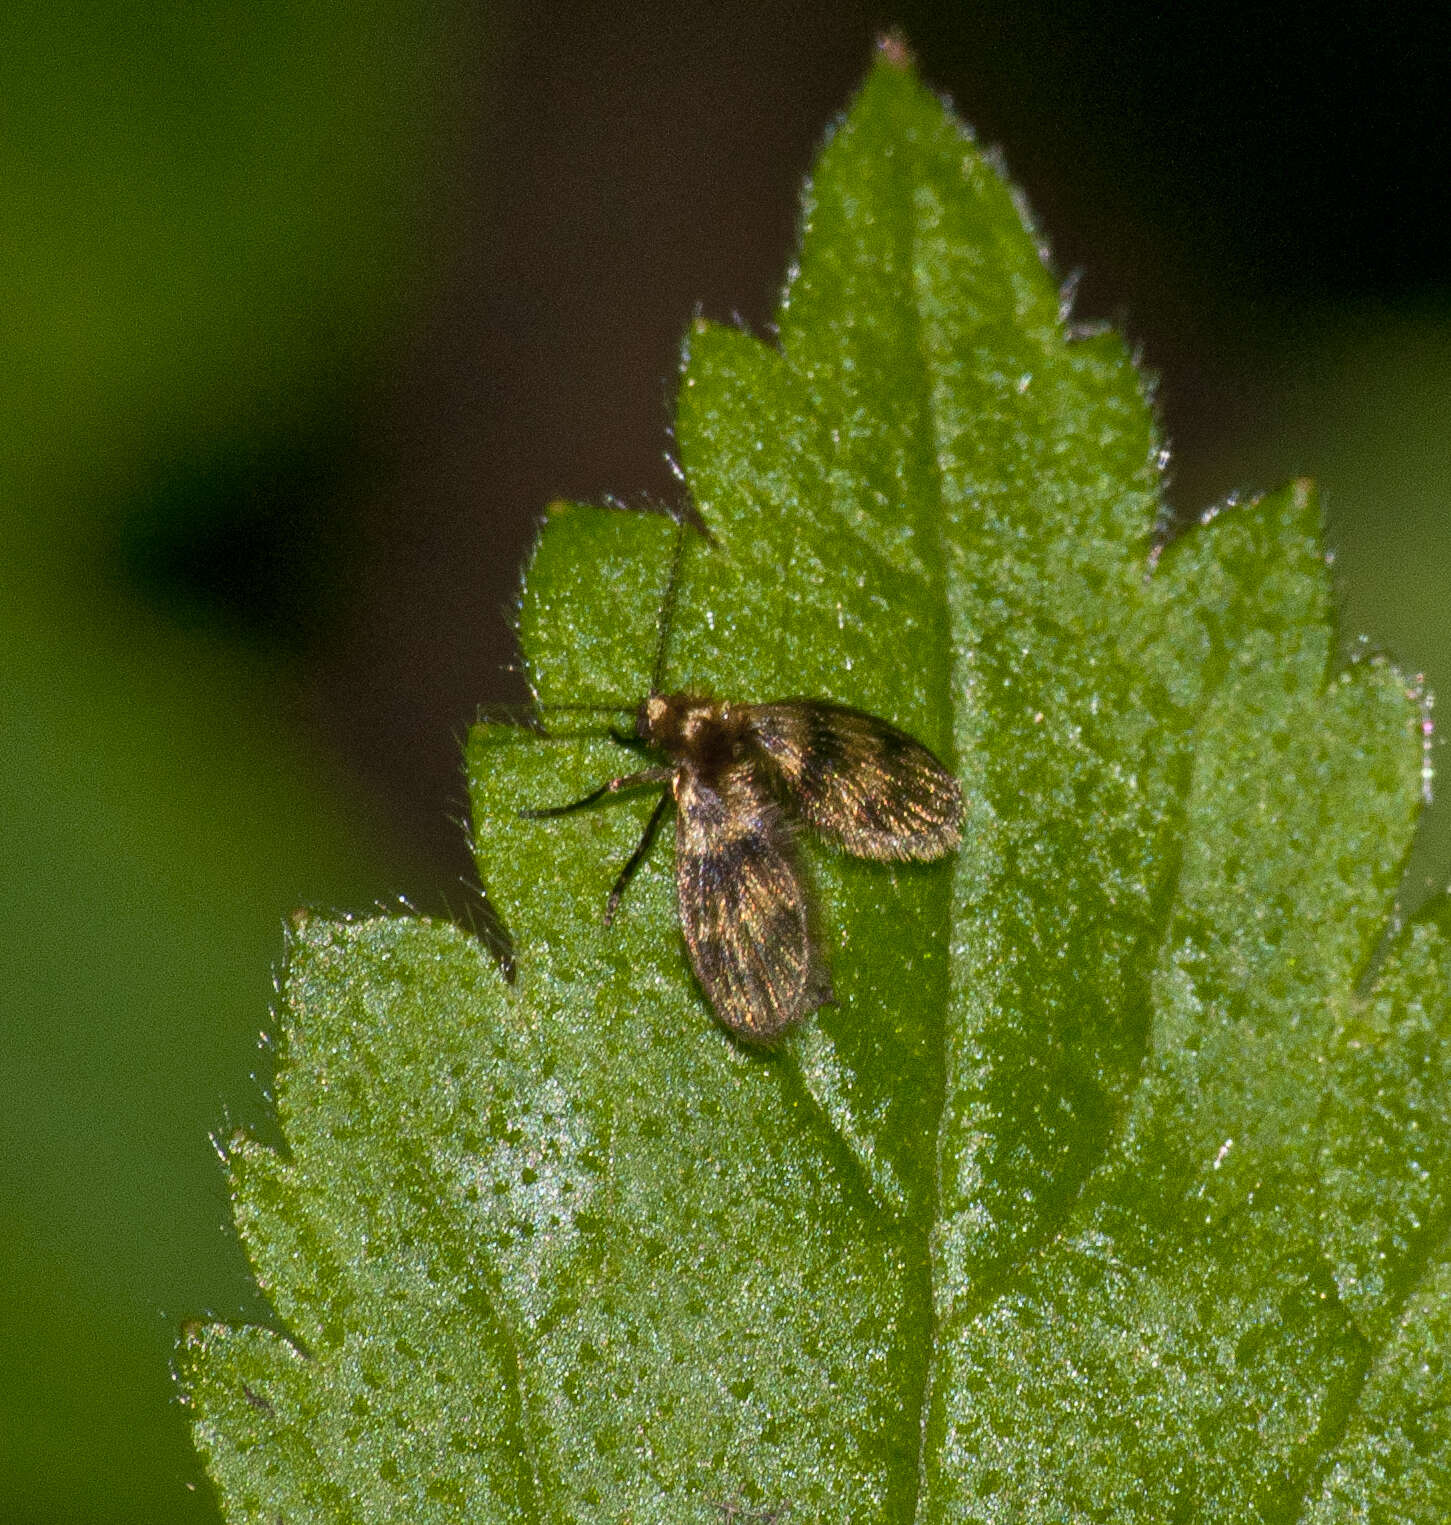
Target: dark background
x,y
312,309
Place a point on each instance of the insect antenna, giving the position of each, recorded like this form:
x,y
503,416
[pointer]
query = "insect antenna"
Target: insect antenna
x,y
587,709
531,716
667,609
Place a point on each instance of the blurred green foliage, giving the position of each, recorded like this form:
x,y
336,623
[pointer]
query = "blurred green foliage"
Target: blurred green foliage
x,y
209,221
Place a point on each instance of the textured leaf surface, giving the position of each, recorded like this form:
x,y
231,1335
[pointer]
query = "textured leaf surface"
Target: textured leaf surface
x,y
1111,1188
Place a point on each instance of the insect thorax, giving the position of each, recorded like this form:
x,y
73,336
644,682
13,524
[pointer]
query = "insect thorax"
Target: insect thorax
x,y
708,734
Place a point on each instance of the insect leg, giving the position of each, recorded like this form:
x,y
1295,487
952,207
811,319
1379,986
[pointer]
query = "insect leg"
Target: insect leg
x,y
637,857
611,786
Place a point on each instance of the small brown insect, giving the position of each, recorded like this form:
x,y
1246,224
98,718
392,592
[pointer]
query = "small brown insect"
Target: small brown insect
x,y
738,774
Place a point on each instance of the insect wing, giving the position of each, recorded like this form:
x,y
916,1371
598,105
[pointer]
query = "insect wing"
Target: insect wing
x,y
860,781
743,905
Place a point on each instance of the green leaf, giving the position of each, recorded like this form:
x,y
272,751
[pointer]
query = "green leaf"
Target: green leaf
x,y
1111,1186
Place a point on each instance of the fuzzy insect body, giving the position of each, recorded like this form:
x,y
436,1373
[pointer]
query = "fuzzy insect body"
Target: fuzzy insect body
x,y
740,776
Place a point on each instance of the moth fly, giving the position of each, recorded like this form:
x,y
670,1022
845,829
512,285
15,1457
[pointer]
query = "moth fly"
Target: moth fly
x,y
740,776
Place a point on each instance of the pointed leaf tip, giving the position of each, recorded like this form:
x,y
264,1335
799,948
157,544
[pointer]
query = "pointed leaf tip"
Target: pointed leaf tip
x,y
894,51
